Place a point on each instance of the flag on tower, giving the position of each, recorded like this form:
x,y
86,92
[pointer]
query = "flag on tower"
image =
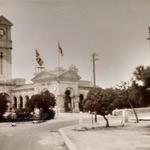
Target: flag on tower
x,y
60,49
38,58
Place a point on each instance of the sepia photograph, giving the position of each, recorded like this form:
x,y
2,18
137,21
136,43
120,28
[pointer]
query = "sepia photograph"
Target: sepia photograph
x,y
74,74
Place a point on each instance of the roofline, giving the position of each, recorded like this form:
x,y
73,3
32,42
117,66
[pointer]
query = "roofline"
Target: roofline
x,y
9,23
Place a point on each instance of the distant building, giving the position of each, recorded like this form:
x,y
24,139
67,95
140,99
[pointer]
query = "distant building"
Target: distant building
x,y
57,81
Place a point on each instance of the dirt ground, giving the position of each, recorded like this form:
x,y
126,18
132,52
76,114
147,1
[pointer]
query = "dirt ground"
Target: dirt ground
x,y
132,136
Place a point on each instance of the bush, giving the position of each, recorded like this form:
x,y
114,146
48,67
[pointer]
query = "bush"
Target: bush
x,y
22,115
100,101
3,104
47,115
43,101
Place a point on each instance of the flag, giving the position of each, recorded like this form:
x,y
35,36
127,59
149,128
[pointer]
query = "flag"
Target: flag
x,y
60,49
38,58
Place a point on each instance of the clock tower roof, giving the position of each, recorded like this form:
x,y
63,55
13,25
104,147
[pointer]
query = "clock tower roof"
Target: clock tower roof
x,y
5,21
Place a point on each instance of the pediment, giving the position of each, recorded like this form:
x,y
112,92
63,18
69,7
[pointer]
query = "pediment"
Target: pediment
x,y
70,75
5,21
43,75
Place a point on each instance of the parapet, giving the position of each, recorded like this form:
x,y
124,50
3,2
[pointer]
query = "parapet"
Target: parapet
x,y
19,81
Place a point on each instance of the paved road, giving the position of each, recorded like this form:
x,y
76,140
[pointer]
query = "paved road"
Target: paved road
x,y
28,136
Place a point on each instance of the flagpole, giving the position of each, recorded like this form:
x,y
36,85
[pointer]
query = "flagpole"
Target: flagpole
x,y
60,53
58,61
58,73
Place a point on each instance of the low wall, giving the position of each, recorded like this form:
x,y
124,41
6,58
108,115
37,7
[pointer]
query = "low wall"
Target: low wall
x,y
118,112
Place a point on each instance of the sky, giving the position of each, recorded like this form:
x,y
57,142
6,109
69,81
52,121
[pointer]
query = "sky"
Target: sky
x,y
114,29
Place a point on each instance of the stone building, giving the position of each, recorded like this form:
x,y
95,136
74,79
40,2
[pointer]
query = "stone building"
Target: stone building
x,y
57,81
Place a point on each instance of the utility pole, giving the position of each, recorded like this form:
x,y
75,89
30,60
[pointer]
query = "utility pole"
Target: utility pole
x,y
149,37
94,58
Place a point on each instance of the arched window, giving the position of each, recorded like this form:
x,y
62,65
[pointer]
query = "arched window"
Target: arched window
x,y
15,102
26,100
27,97
21,102
81,98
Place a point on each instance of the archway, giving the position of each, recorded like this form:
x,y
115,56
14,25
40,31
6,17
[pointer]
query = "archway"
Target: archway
x,y
27,97
26,100
67,101
81,98
20,102
14,102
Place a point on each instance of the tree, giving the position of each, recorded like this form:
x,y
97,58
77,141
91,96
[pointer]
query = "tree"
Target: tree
x,y
3,103
142,75
44,101
136,93
124,95
100,101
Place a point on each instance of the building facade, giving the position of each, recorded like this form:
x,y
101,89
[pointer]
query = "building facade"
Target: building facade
x,y
58,81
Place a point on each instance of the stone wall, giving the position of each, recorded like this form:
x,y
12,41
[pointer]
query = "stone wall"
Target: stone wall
x,y
118,112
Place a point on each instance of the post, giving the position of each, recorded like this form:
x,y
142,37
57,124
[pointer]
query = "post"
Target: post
x,y
58,62
60,53
124,117
93,62
80,119
149,39
94,78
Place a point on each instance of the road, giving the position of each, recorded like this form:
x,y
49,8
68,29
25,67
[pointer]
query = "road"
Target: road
x,y
28,136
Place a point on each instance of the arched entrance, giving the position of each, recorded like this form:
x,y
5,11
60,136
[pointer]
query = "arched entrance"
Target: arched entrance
x,y
81,98
26,100
67,101
14,102
20,102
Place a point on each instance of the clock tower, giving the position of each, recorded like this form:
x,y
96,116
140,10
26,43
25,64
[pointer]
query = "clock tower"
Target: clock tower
x,y
5,49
